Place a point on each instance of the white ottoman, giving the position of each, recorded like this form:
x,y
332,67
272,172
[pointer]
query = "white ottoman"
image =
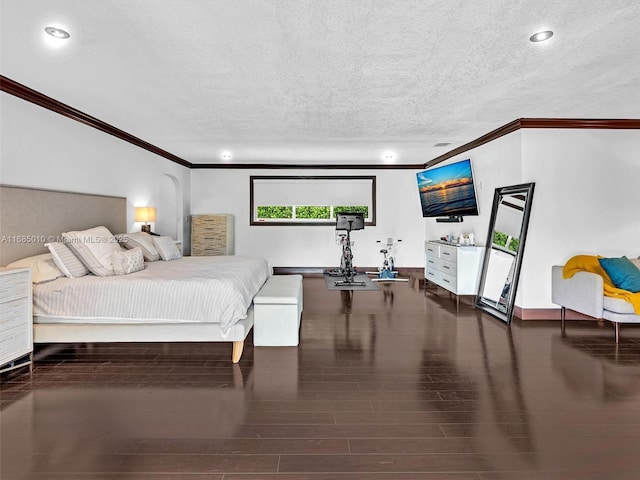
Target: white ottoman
x,y
277,309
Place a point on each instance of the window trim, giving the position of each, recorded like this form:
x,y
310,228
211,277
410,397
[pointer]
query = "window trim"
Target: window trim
x,y
330,222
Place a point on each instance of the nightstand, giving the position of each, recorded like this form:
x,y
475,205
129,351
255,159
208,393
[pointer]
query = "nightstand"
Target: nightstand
x,y
16,320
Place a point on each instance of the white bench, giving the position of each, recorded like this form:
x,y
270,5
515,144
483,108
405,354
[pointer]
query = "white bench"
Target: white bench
x,y
277,309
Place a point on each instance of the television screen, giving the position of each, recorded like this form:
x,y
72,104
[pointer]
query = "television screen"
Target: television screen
x,y
448,190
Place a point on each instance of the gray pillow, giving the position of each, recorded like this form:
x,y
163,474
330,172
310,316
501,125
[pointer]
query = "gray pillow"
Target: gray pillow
x,y
167,248
142,240
66,260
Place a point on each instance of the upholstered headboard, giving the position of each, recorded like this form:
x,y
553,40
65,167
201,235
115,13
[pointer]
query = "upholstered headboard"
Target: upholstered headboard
x,y
30,217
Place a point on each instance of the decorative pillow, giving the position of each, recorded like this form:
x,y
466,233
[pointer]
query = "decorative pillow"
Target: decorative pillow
x,y
167,248
624,274
94,248
142,240
636,262
127,261
66,260
43,268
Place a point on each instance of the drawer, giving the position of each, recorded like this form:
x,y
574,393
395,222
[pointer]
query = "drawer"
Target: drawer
x,y
448,253
433,262
432,250
432,275
15,313
450,268
449,282
14,344
14,285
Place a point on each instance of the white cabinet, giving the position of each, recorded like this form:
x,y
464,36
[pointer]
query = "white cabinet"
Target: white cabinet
x,y
454,267
16,321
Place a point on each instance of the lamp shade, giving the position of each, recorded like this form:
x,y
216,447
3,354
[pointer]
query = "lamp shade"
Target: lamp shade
x,y
145,214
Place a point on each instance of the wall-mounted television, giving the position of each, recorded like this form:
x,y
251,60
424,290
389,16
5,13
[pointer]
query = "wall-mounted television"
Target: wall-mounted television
x,y
448,192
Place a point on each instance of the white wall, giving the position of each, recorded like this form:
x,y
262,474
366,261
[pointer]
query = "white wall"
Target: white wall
x,y
398,216
40,148
585,202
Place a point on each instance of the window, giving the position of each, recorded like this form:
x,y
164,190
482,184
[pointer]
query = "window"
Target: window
x,y
293,200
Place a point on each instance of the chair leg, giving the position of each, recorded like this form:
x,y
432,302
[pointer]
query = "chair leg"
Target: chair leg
x,y
617,328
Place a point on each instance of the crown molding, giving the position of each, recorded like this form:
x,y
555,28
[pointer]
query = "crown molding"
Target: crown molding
x,y
595,123
285,166
21,91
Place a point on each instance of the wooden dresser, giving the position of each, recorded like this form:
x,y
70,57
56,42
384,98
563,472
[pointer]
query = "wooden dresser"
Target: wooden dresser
x,y
212,234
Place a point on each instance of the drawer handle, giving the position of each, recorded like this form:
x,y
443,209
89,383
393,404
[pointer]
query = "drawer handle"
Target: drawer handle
x,y
448,268
445,280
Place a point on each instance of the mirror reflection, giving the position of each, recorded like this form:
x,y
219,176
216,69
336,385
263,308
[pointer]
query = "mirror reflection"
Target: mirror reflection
x,y
503,255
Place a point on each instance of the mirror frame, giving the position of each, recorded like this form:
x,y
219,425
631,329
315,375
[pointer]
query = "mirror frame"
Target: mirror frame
x,y
499,194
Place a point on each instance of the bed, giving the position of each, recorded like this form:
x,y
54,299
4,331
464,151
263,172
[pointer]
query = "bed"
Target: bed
x,y
191,299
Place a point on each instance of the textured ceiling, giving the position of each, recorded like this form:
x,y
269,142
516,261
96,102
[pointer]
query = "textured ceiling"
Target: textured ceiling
x,y
326,81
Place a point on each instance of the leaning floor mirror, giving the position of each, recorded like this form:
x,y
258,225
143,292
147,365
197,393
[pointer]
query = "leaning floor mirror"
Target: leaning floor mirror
x,y
504,249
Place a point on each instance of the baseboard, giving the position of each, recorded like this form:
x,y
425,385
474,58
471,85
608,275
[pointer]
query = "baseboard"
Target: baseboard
x,y
318,271
547,314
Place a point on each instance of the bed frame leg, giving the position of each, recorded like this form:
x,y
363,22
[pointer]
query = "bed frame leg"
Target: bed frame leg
x,y
563,314
617,328
237,351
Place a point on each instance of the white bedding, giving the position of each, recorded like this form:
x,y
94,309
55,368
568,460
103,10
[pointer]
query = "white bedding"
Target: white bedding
x,y
216,289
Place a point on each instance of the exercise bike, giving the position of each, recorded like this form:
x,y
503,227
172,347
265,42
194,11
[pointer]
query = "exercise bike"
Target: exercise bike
x,y
386,272
347,222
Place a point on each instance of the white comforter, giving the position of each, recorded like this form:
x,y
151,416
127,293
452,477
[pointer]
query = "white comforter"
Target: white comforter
x,y
216,289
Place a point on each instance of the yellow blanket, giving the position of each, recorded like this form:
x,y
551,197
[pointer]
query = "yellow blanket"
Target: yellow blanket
x,y
589,263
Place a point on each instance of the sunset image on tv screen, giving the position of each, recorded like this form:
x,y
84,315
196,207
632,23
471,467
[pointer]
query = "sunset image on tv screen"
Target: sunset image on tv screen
x,y
447,190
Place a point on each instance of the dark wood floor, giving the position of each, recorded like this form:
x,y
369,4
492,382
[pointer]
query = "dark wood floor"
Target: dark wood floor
x,y
385,385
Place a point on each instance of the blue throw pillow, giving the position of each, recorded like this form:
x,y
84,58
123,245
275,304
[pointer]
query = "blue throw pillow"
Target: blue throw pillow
x,y
624,274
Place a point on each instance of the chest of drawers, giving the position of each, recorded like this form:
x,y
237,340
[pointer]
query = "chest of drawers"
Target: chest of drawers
x,y
16,321
455,268
212,234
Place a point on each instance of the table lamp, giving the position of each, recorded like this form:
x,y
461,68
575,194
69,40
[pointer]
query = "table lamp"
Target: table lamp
x,y
146,215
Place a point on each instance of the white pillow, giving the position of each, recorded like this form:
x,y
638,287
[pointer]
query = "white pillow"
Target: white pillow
x,y
167,248
94,247
66,261
636,261
43,268
127,261
142,240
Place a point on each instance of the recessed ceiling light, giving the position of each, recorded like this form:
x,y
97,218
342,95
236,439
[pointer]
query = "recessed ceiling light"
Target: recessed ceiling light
x,y
57,33
389,156
226,155
541,36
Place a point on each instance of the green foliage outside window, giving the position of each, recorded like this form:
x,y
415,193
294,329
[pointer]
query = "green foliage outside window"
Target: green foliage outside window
x,y
313,212
345,209
275,211
307,212
500,239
